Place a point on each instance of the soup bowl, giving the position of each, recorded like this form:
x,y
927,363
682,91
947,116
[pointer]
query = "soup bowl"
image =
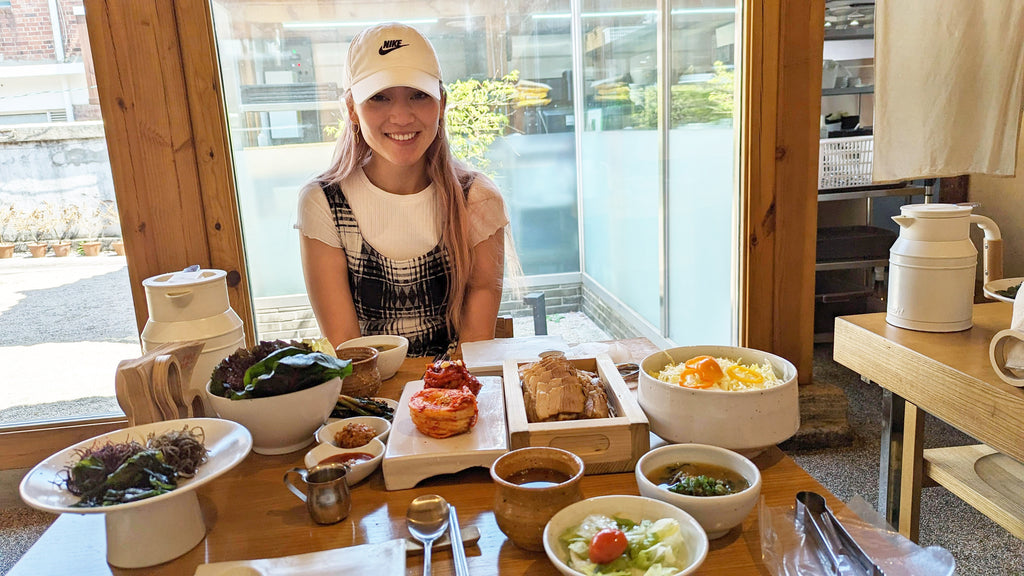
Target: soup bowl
x,y
716,514
747,421
391,351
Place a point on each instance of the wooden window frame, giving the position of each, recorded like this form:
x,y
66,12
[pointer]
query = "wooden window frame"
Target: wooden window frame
x,y
159,88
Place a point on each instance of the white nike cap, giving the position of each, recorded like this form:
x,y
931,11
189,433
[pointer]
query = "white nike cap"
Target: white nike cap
x,y
388,55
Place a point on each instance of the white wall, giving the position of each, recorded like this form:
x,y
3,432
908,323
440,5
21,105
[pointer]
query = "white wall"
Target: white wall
x,y
1002,199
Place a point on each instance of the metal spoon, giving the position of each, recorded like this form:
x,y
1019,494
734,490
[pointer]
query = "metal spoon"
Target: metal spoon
x,y
427,519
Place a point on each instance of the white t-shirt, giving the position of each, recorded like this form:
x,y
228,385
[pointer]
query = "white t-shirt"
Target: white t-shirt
x,y
399,226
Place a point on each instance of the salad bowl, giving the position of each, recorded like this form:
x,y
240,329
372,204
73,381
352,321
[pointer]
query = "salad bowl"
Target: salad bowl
x,y
284,423
690,544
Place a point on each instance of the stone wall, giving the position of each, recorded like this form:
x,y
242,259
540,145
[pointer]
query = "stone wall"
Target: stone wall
x,y
60,164
606,317
291,317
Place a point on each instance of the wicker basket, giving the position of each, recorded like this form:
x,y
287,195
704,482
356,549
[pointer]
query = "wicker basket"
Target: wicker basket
x,y
845,162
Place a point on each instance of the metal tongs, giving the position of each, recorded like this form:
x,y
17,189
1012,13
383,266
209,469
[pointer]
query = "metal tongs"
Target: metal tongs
x,y
831,537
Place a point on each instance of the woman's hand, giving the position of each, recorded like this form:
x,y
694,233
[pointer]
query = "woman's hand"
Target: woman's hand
x,y
325,270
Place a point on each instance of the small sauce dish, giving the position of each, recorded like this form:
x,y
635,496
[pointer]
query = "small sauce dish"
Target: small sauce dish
x,y
327,432
366,458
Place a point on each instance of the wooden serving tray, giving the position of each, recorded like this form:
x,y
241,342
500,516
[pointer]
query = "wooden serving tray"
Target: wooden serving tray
x,y
606,445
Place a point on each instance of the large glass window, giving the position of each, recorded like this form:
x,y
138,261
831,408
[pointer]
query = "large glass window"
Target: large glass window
x,y
659,193
579,150
282,65
66,314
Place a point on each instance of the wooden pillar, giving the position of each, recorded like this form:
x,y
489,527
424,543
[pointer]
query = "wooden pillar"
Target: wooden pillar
x,y
781,101
159,90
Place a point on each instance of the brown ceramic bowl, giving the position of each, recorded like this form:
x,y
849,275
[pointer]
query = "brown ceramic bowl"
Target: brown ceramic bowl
x,y
532,484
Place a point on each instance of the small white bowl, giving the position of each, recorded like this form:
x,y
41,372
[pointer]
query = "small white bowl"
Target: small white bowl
x,y
283,423
356,472
716,514
635,508
748,421
325,435
388,361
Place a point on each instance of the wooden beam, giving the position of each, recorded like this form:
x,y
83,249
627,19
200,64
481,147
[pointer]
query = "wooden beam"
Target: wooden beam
x,y
213,154
782,101
158,84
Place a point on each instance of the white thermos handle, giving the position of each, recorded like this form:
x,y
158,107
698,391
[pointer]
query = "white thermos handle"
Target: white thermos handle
x,y
997,355
992,249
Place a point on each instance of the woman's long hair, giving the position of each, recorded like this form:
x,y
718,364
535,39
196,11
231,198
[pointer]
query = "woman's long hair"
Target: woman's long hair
x,y
450,176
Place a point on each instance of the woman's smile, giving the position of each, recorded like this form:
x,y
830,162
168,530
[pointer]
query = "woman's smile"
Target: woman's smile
x,y
402,136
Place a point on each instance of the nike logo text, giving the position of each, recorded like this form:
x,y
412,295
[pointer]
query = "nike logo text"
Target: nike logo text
x,y
390,46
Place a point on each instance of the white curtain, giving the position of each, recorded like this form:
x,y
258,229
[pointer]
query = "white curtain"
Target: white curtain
x,y
949,80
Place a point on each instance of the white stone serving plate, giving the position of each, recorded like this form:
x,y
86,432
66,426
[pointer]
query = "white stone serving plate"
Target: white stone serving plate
x,y
412,456
137,533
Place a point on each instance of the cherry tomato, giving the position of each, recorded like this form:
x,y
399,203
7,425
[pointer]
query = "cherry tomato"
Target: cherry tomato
x,y
607,545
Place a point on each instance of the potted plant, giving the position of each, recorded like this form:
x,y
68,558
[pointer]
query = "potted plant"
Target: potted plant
x,y
8,215
67,227
39,223
93,225
112,223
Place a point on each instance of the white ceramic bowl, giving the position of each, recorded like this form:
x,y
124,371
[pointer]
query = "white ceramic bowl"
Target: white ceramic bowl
x,y
716,514
283,423
356,472
635,508
746,421
388,361
325,435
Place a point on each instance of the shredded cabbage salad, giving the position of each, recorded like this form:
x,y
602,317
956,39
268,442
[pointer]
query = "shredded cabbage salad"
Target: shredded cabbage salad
x,y
656,548
731,375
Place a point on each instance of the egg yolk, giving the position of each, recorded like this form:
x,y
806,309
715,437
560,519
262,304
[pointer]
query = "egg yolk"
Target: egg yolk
x,y
707,369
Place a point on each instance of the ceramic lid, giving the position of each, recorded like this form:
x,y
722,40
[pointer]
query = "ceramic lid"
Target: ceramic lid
x,y
936,210
182,279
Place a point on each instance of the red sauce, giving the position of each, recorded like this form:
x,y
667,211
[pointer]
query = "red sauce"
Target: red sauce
x,y
348,458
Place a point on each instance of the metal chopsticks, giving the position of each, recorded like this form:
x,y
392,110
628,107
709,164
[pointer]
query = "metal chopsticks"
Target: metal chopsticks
x,y
455,535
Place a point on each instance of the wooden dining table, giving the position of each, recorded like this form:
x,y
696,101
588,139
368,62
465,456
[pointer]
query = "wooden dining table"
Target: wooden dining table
x,y
250,514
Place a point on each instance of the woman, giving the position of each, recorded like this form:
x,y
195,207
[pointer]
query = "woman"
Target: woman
x,y
398,236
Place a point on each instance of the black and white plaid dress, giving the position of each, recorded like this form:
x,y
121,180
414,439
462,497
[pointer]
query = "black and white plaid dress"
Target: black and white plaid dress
x,y
404,297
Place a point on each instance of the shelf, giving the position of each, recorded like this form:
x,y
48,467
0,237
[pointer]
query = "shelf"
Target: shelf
x,y
849,34
861,193
991,482
850,264
850,90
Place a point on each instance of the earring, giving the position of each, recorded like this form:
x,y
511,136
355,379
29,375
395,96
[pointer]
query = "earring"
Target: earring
x,y
355,128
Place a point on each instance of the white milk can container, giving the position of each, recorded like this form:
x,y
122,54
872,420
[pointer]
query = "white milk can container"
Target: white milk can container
x,y
932,267
193,305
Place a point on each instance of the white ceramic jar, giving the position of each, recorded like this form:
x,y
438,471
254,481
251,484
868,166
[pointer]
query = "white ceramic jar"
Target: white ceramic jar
x,y
932,267
194,305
